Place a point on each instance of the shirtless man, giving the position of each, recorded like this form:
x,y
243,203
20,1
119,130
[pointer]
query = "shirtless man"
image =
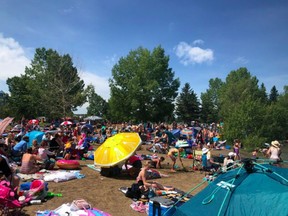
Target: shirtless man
x,y
143,177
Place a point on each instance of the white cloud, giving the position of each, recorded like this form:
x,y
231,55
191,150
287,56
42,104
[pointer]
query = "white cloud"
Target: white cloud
x,y
13,58
192,55
241,60
199,41
101,84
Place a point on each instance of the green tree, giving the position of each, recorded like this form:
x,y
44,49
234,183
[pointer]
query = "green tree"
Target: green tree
x,y
97,105
262,94
4,106
210,101
187,105
242,109
143,87
51,86
22,100
273,94
276,127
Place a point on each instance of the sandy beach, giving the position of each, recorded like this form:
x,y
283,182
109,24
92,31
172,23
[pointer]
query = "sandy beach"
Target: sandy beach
x,y
103,192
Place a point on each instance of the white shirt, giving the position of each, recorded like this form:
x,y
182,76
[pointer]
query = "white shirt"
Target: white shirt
x,y
43,153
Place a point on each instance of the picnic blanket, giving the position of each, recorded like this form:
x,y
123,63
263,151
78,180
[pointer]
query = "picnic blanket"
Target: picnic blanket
x,y
66,209
52,175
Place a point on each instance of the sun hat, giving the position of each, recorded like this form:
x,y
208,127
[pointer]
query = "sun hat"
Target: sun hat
x,y
204,150
275,143
231,154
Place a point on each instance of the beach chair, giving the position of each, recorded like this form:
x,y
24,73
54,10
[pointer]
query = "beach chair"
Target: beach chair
x,y
197,160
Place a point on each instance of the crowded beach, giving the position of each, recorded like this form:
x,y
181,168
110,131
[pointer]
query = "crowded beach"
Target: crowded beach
x,y
62,166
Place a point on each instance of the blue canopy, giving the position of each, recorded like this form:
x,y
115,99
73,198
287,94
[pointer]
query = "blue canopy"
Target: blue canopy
x,y
38,135
176,133
238,192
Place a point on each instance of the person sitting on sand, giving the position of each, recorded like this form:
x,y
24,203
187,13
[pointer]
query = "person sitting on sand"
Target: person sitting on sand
x,y
156,162
174,153
229,162
20,148
28,164
274,152
157,146
8,172
43,153
35,147
142,176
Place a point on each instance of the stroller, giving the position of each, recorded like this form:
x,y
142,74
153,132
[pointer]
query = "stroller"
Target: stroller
x,y
9,205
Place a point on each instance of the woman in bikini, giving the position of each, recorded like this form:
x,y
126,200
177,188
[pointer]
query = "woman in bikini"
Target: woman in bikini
x,y
28,165
174,153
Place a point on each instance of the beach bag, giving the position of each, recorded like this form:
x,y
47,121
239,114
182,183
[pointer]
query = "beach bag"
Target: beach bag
x,y
80,204
134,191
5,190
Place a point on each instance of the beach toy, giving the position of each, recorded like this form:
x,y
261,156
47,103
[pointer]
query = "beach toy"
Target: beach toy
x,y
68,164
50,194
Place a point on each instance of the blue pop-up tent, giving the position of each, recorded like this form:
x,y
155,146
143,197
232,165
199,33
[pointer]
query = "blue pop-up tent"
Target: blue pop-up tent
x,y
38,135
256,190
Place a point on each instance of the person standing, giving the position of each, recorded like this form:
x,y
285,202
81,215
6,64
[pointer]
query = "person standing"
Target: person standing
x,y
236,148
174,153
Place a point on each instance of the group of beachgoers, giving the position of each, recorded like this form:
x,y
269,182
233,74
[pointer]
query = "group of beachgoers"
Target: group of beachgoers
x,y
74,142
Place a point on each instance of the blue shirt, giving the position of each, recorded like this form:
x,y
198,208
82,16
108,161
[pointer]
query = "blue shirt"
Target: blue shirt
x,y
21,146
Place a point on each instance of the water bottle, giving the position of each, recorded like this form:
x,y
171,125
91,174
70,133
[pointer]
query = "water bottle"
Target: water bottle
x,y
151,193
35,202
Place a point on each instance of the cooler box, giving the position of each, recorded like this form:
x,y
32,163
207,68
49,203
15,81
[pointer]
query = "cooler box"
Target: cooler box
x,y
159,205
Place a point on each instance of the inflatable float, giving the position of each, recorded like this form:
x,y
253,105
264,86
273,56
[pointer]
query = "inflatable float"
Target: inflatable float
x,y
68,164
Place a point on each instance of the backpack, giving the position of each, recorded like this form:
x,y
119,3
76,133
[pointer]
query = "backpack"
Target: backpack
x,y
134,191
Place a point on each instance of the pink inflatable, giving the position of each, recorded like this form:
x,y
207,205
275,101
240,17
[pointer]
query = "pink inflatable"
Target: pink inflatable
x,y
68,164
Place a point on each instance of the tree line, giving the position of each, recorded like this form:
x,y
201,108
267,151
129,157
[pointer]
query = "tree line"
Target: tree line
x,y
144,88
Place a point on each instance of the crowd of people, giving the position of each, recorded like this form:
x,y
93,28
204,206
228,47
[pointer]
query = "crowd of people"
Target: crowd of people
x,y
73,141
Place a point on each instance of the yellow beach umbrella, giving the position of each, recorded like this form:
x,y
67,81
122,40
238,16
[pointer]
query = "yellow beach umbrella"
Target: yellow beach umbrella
x,y
116,149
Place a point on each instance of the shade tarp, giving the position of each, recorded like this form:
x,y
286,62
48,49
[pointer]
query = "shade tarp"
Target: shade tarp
x,y
262,192
116,149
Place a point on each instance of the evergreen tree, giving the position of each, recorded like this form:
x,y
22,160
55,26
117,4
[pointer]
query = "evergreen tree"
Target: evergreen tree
x,y
273,94
187,105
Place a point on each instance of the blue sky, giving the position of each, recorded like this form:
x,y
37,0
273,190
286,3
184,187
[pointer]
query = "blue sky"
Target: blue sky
x,y
204,39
